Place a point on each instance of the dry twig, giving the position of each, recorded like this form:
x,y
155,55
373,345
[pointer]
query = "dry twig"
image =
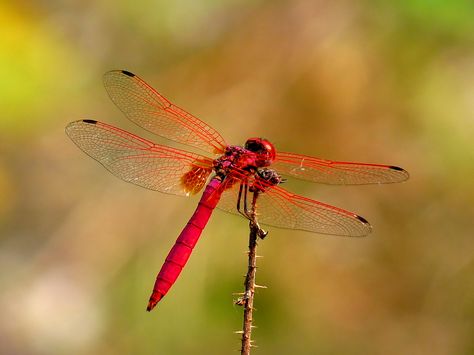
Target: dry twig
x,y
247,298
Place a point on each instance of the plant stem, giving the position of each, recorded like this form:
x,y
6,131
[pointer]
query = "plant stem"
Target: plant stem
x,y
247,299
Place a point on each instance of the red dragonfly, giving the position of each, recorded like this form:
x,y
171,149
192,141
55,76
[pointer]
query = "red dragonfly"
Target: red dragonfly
x,y
237,174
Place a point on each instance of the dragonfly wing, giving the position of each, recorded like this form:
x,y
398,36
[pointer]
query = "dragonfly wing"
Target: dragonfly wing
x,y
280,208
335,172
139,161
144,106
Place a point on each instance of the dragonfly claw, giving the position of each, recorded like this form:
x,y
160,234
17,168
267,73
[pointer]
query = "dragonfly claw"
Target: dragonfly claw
x,y
261,233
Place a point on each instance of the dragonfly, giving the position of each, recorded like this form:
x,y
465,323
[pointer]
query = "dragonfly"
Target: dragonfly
x,y
239,179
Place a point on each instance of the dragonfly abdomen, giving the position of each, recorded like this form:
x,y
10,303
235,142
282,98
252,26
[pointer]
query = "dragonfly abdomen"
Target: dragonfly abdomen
x,y
184,245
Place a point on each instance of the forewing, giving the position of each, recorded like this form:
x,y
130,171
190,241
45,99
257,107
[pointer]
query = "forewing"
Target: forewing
x,y
139,161
280,208
147,108
335,172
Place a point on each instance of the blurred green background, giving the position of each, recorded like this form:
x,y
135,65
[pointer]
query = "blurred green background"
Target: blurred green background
x,y
373,81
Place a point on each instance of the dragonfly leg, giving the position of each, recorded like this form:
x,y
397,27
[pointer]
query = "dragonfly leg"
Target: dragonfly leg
x,y
242,205
247,212
243,211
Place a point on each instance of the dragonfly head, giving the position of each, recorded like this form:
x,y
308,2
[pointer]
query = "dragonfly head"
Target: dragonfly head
x,y
264,150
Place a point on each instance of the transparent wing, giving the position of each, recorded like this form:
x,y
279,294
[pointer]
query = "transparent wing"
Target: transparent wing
x,y
335,172
144,106
139,161
280,208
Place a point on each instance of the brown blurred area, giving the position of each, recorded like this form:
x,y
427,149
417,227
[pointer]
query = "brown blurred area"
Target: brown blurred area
x,y
382,82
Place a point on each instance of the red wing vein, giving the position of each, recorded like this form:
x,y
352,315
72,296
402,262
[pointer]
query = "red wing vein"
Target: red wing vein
x,y
137,160
333,172
150,110
280,208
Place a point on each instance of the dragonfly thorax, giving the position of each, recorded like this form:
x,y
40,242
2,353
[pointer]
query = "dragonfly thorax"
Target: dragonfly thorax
x,y
243,160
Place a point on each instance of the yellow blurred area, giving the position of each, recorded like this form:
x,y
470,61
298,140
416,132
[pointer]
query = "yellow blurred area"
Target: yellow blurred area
x,y
382,82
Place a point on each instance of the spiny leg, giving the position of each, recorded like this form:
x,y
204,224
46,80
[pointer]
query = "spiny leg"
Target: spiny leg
x,y
239,197
247,212
242,199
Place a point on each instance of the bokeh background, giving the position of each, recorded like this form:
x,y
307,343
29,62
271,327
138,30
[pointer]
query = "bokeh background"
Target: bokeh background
x,y
374,81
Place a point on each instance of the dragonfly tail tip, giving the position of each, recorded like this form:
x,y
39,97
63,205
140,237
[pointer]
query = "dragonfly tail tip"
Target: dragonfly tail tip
x,y
150,307
154,299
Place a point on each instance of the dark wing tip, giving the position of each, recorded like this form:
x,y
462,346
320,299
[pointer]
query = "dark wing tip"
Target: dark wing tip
x,y
404,174
367,227
396,168
362,219
90,121
126,72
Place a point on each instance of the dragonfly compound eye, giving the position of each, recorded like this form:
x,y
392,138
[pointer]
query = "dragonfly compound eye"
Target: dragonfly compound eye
x,y
263,148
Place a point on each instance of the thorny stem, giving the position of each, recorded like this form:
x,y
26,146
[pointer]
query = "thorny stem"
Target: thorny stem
x,y
247,299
